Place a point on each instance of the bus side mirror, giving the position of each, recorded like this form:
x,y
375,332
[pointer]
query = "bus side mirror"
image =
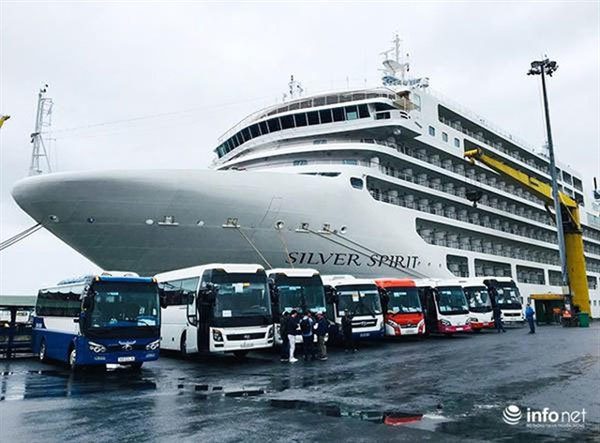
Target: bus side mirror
x,y
86,303
208,294
162,299
331,295
192,319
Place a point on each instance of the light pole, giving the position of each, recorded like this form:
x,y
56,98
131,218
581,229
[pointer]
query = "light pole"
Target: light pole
x,y
543,68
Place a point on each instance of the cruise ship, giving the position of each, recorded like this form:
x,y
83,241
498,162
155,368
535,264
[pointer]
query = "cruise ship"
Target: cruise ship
x,y
369,181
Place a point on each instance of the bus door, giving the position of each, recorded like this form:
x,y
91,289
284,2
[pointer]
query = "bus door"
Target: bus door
x,y
191,342
206,300
427,296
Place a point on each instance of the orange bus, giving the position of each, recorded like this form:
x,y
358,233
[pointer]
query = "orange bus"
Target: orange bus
x,y
402,307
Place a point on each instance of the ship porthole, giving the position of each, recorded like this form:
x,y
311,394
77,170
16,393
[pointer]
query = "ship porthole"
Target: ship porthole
x,y
279,225
53,218
200,223
343,229
149,221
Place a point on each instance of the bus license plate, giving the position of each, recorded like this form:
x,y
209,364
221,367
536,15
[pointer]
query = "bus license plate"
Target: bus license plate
x,y
459,328
125,359
364,334
247,344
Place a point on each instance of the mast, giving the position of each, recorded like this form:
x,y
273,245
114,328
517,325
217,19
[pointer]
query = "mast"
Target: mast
x,y
43,121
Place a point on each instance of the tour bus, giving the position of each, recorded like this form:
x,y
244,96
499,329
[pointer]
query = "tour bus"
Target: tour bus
x,y
295,289
216,308
480,303
505,293
360,298
445,305
112,318
402,307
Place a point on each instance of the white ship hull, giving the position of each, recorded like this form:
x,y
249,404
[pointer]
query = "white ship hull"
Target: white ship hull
x,y
378,240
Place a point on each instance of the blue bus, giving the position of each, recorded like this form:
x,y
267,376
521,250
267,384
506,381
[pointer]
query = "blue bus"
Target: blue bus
x,y
98,320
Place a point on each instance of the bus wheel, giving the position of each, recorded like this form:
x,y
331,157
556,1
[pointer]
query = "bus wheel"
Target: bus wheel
x,y
43,351
136,366
240,354
183,346
73,359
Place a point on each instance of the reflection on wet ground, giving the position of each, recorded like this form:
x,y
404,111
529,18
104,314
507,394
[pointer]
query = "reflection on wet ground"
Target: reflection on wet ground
x,y
439,389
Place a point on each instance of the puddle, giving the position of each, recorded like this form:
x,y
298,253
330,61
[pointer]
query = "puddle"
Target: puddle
x,y
387,417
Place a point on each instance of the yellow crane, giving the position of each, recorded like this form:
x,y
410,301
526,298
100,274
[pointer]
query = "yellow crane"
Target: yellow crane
x,y
571,222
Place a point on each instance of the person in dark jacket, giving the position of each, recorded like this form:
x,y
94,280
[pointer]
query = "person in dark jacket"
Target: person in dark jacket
x,y
321,329
529,314
285,342
349,342
292,329
306,329
498,319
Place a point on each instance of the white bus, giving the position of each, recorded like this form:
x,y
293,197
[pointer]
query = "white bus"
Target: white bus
x,y
480,302
360,298
445,304
216,308
296,289
505,293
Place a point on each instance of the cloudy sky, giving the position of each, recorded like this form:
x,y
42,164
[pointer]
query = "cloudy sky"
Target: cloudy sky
x,y
152,85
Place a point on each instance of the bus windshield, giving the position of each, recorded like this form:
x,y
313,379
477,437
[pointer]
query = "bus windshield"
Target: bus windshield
x,y
124,304
403,300
478,298
359,300
300,293
508,296
451,300
241,295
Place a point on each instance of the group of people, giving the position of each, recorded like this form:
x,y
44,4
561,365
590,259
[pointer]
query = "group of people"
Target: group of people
x,y
308,327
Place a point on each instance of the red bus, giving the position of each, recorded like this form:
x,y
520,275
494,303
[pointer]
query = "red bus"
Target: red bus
x,y
402,307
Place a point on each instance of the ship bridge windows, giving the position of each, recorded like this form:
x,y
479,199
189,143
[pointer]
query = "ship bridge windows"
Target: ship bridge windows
x,y
356,183
382,116
351,113
324,116
287,122
313,118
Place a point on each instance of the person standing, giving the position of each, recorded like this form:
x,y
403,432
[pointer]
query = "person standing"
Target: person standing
x,y
306,329
529,314
285,342
347,332
321,330
291,329
498,319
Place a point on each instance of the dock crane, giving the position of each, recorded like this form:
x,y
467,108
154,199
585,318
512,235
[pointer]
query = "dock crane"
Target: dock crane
x,y
578,287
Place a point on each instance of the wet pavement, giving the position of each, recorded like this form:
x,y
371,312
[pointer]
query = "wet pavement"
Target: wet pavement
x,y
439,389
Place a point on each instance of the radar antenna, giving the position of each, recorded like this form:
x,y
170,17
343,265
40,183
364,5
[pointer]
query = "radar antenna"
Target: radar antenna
x,y
396,67
295,88
43,121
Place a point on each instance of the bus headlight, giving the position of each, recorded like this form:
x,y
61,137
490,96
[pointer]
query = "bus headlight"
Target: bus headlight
x,y
153,346
96,347
217,335
270,333
445,322
470,320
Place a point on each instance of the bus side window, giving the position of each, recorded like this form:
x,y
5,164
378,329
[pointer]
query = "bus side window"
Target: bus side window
x,y
172,291
188,290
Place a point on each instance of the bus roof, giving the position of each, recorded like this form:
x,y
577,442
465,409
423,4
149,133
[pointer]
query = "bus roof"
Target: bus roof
x,y
435,283
197,271
293,272
395,282
350,282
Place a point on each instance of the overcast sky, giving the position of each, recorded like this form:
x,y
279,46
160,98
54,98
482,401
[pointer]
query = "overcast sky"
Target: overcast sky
x,y
206,66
